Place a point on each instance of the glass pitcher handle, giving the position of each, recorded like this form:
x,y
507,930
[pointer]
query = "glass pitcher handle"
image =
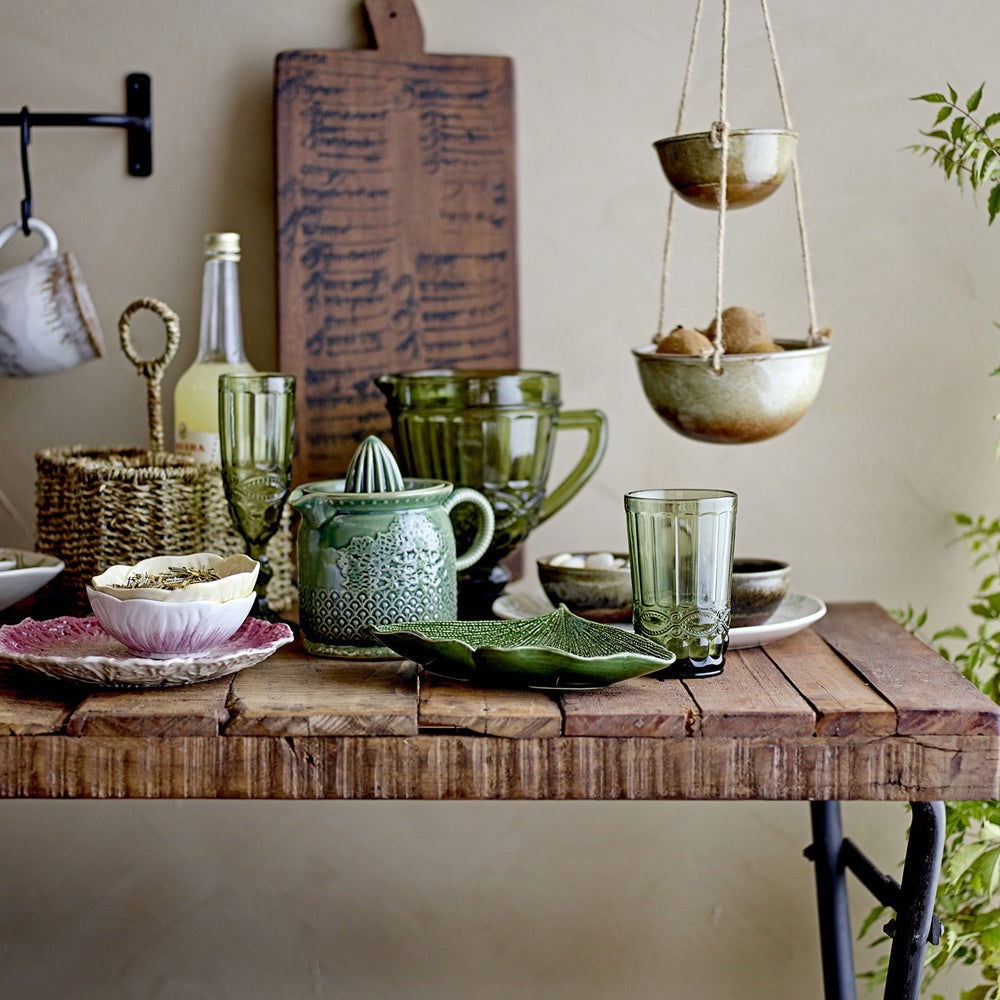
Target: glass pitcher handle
x,y
595,423
477,549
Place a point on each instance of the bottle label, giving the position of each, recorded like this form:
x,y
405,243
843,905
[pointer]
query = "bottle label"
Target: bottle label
x,y
198,445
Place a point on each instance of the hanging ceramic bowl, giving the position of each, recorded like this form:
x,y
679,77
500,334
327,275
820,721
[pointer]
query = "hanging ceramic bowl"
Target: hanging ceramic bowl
x,y
757,163
755,397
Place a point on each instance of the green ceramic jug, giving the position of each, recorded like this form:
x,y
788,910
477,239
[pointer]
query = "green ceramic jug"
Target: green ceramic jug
x,y
379,558
493,430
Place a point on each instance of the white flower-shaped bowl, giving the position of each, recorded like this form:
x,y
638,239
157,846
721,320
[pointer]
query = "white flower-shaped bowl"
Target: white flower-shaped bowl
x,y
160,629
26,572
237,576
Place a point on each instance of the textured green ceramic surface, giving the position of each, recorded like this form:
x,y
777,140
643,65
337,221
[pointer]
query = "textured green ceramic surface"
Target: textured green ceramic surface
x,y
375,558
493,431
757,162
756,397
758,587
559,651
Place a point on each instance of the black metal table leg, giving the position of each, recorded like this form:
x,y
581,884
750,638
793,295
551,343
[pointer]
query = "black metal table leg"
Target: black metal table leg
x,y
912,899
918,888
831,899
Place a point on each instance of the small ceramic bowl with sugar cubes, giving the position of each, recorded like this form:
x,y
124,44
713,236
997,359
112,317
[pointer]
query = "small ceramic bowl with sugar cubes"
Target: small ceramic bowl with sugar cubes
x,y
594,585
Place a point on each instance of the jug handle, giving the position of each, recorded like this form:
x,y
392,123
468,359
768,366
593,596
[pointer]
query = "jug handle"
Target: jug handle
x,y
595,423
484,535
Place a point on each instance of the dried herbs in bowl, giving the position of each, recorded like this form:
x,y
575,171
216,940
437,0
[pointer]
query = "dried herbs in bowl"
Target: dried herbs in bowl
x,y
198,576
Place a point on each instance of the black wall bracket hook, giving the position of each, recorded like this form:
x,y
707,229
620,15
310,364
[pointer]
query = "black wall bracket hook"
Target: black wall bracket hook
x,y
25,173
137,121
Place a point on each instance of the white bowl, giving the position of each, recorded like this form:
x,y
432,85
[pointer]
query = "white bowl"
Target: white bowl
x,y
31,571
237,576
161,629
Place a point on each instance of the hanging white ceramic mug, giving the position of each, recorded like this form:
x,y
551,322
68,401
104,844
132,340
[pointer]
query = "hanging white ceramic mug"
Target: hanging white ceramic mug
x,y
47,319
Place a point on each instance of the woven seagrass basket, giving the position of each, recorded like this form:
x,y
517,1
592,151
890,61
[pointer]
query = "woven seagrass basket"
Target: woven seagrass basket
x,y
96,507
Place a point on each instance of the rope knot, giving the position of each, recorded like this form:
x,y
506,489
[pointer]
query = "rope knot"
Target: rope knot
x,y
151,369
717,134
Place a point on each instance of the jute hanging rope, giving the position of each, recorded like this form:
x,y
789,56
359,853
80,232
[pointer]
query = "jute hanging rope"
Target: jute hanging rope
x,y
665,270
815,335
719,138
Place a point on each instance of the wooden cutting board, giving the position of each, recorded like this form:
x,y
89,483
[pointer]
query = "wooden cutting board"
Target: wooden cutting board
x,y
395,199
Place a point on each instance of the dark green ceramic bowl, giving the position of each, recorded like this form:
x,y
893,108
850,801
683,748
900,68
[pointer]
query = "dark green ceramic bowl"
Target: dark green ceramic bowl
x,y
759,586
602,595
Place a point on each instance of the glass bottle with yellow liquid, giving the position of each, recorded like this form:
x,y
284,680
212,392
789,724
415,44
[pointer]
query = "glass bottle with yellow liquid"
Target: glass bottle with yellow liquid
x,y
220,351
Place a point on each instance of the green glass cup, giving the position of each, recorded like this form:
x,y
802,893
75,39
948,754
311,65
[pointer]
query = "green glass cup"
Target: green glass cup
x,y
493,430
256,437
680,546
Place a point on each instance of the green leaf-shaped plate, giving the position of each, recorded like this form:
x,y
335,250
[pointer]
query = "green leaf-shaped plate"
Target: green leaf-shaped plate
x,y
555,652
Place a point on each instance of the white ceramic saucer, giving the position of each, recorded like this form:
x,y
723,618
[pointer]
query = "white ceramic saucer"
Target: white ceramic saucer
x,y
796,612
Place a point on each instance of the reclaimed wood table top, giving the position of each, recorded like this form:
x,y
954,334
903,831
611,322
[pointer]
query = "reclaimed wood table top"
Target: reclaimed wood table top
x,y
852,708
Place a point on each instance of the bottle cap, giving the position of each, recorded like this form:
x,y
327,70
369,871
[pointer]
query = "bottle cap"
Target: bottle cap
x,y
223,246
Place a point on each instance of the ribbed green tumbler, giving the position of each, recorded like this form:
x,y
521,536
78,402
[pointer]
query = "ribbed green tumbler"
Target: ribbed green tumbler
x,y
681,554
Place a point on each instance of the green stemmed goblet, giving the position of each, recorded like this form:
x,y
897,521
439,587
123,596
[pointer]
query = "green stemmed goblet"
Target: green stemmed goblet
x,y
256,433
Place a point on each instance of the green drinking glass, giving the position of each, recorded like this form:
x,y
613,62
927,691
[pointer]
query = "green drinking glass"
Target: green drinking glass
x,y
680,545
256,435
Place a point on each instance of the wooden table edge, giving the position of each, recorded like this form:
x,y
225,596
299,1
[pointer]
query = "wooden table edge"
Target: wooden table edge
x,y
434,767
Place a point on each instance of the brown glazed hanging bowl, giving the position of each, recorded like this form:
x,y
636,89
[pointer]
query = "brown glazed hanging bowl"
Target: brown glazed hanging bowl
x,y
757,164
755,397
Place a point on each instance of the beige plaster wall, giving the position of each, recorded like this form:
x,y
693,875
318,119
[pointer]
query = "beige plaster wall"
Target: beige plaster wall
x,y
343,900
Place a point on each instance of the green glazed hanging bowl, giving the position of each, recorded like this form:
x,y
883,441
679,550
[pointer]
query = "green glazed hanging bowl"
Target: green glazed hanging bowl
x,y
755,397
757,163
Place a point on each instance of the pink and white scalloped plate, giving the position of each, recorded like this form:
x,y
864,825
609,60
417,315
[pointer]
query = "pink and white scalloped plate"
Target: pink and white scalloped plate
x,y
78,649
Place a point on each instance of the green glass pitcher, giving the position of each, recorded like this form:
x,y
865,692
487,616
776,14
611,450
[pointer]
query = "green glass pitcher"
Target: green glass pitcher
x,y
493,430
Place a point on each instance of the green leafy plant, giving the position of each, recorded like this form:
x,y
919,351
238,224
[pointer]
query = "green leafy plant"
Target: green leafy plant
x,y
963,147
968,897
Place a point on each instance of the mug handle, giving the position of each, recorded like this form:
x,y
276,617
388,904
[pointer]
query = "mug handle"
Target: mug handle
x,y
51,247
595,423
477,549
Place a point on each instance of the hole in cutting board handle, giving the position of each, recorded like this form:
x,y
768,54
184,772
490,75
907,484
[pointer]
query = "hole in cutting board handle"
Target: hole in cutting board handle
x,y
393,26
